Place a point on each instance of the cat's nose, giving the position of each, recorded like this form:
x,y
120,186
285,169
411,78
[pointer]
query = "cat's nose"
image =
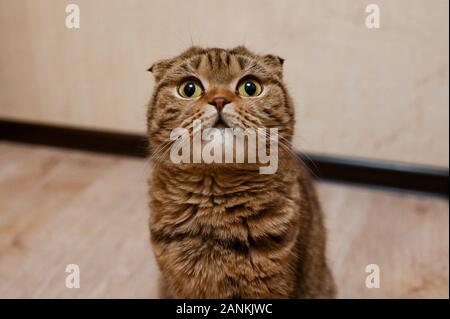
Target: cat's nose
x,y
219,102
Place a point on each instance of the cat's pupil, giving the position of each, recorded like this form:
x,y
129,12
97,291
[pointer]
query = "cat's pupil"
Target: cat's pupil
x,y
189,89
250,88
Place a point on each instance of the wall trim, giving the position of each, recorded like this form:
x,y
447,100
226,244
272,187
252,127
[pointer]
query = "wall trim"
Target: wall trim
x,y
374,173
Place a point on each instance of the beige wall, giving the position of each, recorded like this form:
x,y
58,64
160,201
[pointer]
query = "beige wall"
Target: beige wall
x,y
371,93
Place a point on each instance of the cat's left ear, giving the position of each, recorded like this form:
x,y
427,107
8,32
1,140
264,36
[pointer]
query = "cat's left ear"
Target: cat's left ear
x,y
275,62
159,68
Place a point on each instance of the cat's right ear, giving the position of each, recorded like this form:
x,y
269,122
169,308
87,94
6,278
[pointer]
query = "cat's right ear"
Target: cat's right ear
x,y
275,62
159,68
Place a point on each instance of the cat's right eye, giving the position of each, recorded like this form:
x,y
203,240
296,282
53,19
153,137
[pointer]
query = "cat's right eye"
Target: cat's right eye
x,y
190,89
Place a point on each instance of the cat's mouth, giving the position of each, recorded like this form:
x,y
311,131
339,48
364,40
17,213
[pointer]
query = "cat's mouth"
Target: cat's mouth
x,y
221,123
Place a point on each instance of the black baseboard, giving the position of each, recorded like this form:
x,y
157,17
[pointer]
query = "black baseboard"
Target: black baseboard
x,y
400,176
74,138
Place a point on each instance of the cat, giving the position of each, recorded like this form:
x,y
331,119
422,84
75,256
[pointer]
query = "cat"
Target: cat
x,y
226,230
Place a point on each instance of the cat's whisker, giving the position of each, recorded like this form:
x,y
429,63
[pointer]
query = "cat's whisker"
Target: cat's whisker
x,y
287,146
161,152
159,149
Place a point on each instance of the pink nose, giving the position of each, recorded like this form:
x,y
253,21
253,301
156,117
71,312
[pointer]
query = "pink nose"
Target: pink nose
x,y
219,102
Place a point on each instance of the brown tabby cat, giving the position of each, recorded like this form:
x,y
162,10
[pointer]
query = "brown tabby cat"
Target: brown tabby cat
x,y
225,230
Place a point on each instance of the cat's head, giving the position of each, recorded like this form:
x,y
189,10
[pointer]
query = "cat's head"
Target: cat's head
x,y
223,88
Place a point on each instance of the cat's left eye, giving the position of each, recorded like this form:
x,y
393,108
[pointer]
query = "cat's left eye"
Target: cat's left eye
x,y
190,89
249,88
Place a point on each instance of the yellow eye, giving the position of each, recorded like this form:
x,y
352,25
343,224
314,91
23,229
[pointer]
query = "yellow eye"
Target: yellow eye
x,y
190,89
249,88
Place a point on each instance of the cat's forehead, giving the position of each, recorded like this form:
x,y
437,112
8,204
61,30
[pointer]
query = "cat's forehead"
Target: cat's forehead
x,y
219,65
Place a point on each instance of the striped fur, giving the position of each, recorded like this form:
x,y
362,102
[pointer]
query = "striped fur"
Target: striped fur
x,y
224,230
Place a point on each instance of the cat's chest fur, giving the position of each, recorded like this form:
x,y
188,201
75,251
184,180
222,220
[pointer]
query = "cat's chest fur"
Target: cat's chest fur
x,y
218,230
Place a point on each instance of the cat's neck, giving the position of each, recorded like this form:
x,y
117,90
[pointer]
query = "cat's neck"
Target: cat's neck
x,y
225,179
219,172
222,171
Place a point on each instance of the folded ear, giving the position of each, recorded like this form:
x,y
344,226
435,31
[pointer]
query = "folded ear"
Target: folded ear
x,y
275,62
159,68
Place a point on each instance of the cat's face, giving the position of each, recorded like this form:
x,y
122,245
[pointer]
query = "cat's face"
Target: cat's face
x,y
222,88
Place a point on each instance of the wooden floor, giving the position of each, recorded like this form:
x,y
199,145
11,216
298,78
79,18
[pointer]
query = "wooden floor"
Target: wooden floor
x,y
60,207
